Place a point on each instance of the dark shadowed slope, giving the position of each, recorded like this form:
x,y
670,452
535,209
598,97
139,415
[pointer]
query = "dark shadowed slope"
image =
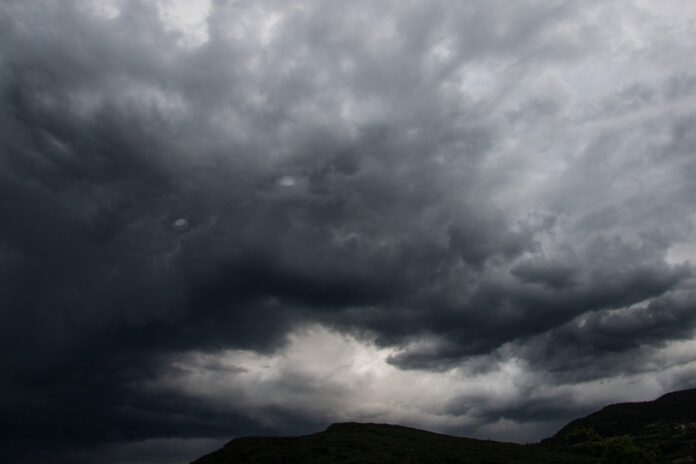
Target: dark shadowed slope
x,y
659,431
381,443
666,426
637,419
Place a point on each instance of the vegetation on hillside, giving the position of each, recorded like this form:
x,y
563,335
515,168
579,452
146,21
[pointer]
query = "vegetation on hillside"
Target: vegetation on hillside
x,y
381,444
663,430
660,431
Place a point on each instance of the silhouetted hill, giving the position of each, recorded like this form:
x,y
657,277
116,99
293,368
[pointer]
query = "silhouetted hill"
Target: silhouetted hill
x,y
666,425
634,418
659,431
380,444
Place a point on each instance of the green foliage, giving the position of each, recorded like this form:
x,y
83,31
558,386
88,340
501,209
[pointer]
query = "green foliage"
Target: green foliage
x,y
622,450
660,431
581,435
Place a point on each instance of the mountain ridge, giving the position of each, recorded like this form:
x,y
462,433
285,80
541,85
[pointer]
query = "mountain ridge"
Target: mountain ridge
x,y
657,431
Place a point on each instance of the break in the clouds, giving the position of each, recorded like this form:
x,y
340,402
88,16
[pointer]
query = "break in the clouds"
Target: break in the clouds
x,y
235,217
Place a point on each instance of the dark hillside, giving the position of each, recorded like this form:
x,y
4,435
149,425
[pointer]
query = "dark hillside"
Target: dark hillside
x,y
676,408
666,425
659,431
380,444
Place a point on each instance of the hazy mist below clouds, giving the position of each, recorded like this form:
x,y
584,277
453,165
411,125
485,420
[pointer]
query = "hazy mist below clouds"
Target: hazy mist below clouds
x,y
226,218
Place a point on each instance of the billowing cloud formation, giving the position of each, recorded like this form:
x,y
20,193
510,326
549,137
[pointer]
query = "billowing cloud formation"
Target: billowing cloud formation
x,y
484,191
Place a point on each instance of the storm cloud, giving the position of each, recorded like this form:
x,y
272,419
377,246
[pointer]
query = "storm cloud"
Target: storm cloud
x,y
225,218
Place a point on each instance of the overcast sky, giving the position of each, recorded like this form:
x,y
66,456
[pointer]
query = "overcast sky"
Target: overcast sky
x,y
223,218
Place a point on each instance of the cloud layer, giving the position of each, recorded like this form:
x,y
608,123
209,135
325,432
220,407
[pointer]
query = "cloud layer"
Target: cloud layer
x,y
235,217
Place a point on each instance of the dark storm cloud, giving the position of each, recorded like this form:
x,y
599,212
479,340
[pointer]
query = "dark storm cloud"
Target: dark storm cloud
x,y
351,167
548,408
607,341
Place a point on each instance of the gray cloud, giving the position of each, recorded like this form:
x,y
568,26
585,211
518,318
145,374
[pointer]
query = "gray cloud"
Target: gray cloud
x,y
457,184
